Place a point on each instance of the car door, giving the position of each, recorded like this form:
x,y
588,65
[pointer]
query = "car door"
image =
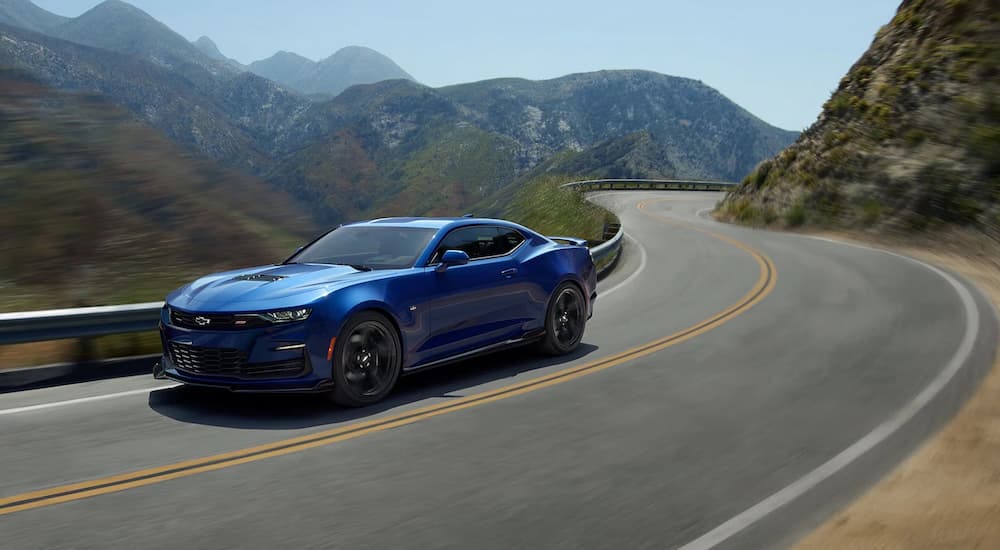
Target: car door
x,y
479,303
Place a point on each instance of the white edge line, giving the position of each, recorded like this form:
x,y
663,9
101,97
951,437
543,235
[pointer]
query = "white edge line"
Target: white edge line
x,y
883,431
91,399
640,269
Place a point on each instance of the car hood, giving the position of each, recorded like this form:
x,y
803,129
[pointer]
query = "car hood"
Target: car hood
x,y
267,287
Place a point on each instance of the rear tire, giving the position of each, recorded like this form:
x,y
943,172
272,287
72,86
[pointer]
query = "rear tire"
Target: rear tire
x,y
367,360
565,320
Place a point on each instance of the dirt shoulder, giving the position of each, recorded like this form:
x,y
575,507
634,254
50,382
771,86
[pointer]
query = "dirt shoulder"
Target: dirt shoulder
x,y
947,494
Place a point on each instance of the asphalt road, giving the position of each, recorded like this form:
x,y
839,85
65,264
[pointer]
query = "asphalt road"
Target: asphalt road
x,y
733,389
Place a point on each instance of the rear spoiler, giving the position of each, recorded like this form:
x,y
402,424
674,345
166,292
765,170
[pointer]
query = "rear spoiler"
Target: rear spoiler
x,y
570,241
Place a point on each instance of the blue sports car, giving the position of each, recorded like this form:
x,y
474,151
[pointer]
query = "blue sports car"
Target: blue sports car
x,y
360,305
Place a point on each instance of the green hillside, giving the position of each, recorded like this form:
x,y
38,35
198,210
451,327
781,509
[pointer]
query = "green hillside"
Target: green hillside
x,y
541,204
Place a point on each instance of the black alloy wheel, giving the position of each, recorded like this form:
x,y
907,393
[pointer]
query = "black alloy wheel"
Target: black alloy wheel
x,y
565,320
367,360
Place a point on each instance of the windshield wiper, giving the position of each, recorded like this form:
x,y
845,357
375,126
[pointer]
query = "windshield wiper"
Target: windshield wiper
x,y
360,267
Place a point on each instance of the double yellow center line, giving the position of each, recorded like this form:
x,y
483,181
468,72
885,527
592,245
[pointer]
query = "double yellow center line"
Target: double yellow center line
x,y
76,491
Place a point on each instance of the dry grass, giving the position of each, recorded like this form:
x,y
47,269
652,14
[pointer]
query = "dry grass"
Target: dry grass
x,y
947,494
60,351
36,353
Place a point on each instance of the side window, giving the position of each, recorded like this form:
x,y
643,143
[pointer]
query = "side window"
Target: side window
x,y
476,241
480,241
506,240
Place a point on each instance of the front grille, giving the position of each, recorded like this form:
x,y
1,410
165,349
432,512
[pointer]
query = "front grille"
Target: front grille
x,y
217,361
230,362
215,321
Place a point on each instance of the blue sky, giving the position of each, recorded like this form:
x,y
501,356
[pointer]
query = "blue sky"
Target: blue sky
x,y
779,59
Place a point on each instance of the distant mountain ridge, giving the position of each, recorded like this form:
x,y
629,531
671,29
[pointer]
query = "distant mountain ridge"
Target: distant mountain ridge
x,y
24,14
121,27
220,114
283,67
702,132
118,26
208,47
347,67
397,146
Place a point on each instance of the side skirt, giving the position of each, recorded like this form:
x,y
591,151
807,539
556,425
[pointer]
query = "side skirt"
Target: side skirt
x,y
499,346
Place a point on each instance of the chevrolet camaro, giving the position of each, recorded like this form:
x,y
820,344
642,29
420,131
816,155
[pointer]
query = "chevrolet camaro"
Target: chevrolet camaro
x,y
366,302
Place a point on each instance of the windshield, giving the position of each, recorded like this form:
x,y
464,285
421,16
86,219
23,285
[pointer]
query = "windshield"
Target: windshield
x,y
367,247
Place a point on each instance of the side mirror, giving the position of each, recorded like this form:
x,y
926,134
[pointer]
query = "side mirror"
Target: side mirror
x,y
452,257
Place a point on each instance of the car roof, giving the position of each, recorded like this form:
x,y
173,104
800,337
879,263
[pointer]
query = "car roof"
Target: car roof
x,y
434,223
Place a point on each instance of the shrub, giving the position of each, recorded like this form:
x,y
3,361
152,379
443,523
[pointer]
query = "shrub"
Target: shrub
x,y
760,174
914,137
796,215
984,141
871,212
839,103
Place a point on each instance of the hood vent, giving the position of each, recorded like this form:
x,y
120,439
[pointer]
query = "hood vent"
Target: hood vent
x,y
262,277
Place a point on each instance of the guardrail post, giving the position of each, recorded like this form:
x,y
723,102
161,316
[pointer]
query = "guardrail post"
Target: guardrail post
x,y
86,350
610,230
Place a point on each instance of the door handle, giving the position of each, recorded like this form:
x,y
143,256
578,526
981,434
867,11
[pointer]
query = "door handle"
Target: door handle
x,y
508,273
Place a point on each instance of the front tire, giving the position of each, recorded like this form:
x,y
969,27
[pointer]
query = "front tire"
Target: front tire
x,y
367,360
565,320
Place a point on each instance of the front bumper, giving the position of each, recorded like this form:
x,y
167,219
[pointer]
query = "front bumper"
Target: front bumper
x,y
246,360
164,370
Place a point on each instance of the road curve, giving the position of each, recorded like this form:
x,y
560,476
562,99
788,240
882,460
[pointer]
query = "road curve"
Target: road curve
x,y
723,369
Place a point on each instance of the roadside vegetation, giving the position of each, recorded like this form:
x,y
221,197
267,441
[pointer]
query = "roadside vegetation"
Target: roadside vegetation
x,y
543,205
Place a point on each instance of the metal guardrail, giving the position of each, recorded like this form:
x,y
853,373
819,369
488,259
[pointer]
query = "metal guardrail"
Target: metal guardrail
x,y
83,322
606,254
651,185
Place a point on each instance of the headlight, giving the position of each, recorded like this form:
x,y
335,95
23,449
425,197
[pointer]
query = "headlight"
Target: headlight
x,y
287,315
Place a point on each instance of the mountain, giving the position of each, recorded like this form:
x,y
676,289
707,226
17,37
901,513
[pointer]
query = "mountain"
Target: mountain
x,y
704,133
345,68
121,27
393,146
24,14
636,155
95,207
237,117
283,67
208,47
910,139
397,147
